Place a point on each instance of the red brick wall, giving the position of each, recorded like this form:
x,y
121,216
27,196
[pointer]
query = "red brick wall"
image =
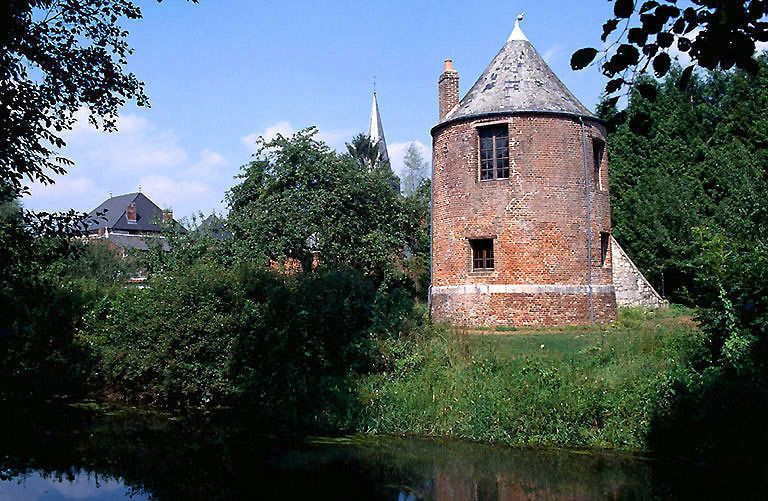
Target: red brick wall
x,y
537,219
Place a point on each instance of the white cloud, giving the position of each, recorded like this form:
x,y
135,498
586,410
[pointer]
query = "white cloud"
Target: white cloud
x,y
172,192
283,128
335,138
137,144
209,166
138,154
550,53
67,191
397,155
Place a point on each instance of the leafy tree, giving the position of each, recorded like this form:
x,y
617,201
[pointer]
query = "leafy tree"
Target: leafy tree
x,y
418,217
299,199
94,260
689,204
364,151
713,33
59,56
367,156
415,169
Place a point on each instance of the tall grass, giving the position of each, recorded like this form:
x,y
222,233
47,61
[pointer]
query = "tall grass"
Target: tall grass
x,y
580,387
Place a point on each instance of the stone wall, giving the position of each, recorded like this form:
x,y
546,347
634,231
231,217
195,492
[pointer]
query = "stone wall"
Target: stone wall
x,y
632,289
536,218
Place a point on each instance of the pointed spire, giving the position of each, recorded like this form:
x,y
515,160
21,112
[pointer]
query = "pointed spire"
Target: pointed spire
x,y
376,130
517,33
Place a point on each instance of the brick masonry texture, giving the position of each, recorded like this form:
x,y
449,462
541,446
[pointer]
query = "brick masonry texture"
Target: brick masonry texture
x,y
537,219
448,91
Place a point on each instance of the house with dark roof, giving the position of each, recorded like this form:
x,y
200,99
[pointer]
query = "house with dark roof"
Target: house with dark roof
x,y
130,221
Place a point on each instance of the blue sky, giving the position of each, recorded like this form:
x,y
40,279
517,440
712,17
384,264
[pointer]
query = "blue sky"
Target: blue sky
x,y
225,71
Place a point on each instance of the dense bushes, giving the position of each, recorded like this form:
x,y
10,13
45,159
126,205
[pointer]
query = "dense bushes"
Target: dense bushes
x,y
39,311
38,355
212,336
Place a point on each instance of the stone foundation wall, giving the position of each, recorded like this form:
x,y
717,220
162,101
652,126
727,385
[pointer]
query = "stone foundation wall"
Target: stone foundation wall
x,y
489,309
632,289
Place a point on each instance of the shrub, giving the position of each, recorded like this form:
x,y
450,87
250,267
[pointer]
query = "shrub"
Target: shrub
x,y
284,345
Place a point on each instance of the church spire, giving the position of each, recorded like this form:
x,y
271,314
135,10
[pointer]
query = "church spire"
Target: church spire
x,y
376,130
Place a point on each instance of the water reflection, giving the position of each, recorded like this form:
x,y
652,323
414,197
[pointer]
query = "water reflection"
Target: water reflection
x,y
81,485
56,452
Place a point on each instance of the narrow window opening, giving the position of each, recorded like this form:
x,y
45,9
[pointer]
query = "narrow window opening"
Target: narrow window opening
x,y
494,152
605,241
598,150
482,254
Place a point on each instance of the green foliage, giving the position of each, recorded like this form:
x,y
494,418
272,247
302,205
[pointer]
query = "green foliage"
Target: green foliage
x,y
579,388
93,260
299,198
209,336
38,314
701,163
59,56
365,152
38,355
712,34
418,217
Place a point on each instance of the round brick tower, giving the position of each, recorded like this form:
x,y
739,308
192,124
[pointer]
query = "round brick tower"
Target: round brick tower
x,y
521,216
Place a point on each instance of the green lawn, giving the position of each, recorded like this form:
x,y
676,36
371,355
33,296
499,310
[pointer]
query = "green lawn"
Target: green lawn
x,y
556,342
596,386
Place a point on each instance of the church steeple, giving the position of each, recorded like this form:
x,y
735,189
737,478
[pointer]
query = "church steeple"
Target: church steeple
x,y
376,130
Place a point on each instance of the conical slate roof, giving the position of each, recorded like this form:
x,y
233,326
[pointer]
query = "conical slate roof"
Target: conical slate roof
x,y
518,80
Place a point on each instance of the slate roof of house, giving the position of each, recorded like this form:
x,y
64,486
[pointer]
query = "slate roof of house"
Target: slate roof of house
x,y
518,80
148,214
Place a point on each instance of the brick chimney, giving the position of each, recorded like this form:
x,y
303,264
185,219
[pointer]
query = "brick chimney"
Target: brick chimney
x,y
448,88
167,215
130,213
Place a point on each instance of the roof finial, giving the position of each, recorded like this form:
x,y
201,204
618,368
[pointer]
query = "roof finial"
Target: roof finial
x,y
517,33
374,84
139,188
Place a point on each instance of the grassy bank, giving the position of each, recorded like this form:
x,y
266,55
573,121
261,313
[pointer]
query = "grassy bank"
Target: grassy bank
x,y
575,387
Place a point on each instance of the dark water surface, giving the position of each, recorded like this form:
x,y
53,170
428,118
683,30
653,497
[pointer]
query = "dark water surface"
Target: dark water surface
x,y
92,452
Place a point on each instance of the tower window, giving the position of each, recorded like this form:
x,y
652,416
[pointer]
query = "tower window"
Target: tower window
x,y
482,254
605,241
494,152
598,149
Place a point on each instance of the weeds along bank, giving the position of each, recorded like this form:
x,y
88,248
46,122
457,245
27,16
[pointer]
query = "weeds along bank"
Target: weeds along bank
x,y
579,387
333,351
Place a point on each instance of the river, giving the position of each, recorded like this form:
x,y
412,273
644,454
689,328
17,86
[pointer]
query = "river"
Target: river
x,y
94,452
